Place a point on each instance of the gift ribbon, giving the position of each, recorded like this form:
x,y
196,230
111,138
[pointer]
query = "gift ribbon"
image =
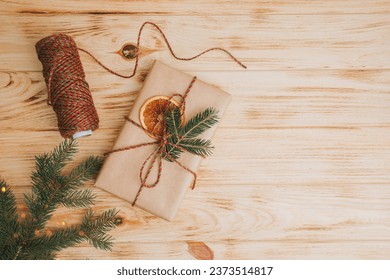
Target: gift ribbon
x,y
156,156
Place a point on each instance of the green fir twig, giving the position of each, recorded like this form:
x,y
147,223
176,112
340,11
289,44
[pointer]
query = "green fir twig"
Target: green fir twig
x,y
184,137
25,238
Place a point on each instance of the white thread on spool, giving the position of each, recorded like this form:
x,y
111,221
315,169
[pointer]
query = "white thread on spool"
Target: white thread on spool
x,y
82,134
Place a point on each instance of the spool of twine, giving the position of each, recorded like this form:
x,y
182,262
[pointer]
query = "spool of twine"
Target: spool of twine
x,y
68,91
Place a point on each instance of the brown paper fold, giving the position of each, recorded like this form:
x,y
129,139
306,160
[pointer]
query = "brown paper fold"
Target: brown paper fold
x,y
120,172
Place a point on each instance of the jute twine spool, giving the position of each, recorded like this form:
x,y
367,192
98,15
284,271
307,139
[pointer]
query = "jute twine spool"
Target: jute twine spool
x,y
68,91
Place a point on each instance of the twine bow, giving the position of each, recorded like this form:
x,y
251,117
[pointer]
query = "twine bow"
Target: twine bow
x,y
158,153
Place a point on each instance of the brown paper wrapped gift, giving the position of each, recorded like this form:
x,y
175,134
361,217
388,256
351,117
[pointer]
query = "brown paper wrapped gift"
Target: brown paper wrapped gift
x,y
120,172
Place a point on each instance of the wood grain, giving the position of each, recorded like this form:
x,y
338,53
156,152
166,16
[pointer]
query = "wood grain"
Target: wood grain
x,y
266,42
302,162
202,7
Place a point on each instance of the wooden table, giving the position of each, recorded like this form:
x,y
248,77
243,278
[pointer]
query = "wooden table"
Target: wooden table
x,y
302,164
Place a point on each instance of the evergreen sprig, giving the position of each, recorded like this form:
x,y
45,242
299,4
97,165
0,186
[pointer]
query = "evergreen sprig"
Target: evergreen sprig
x,y
25,238
184,137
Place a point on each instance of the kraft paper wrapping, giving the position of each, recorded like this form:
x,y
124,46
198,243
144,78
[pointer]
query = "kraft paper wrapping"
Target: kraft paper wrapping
x,y
120,172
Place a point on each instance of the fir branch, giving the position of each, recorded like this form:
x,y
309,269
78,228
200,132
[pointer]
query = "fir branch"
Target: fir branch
x,y
49,165
41,203
85,171
47,185
95,228
50,189
57,186
173,125
182,138
9,226
197,146
199,123
60,239
173,122
78,198
172,149
62,154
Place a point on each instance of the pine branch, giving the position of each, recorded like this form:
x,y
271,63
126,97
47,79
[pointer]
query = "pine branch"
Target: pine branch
x,y
50,189
199,123
173,122
62,154
182,138
85,171
92,229
49,165
197,146
56,186
9,226
42,202
95,228
171,150
60,239
47,183
78,199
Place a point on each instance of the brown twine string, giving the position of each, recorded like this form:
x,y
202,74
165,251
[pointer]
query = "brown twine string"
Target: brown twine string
x,y
69,94
169,48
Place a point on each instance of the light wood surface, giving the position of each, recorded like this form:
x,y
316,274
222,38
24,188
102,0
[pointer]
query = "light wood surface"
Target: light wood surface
x,y
302,162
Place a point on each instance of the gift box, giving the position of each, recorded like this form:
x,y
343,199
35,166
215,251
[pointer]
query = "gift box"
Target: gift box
x,y
120,174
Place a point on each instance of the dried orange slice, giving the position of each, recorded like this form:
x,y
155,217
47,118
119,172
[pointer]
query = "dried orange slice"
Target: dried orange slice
x,y
152,112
